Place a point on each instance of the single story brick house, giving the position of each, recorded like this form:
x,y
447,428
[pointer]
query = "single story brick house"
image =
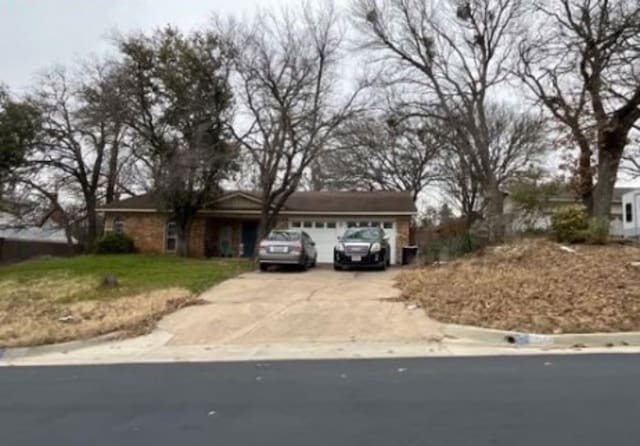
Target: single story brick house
x,y
228,226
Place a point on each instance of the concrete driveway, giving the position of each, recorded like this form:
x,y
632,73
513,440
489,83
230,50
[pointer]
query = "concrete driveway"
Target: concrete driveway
x,y
319,306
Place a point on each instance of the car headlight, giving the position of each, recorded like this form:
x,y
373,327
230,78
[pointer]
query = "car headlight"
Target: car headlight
x,y
340,247
376,247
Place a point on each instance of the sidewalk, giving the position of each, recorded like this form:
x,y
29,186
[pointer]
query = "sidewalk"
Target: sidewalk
x,y
156,348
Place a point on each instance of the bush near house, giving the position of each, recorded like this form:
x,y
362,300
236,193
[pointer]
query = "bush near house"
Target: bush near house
x,y
450,248
570,224
114,243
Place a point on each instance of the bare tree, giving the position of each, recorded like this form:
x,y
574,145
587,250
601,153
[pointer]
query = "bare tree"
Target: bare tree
x,y
581,61
291,99
81,132
454,57
516,144
459,183
383,153
179,105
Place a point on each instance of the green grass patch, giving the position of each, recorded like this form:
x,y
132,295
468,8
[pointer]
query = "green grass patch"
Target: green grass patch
x,y
79,278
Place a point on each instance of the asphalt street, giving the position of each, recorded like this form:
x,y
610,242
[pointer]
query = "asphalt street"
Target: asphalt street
x,y
555,400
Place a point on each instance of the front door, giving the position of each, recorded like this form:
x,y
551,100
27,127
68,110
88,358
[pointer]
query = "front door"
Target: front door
x,y
249,236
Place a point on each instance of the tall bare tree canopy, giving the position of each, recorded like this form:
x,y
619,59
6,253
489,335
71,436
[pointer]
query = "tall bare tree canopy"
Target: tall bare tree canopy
x,y
453,57
81,132
383,152
581,61
290,96
179,105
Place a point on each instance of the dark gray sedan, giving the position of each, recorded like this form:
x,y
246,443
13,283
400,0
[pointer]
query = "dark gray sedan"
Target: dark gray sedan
x,y
287,247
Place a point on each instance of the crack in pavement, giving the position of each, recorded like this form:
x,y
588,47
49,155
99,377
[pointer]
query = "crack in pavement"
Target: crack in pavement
x,y
261,322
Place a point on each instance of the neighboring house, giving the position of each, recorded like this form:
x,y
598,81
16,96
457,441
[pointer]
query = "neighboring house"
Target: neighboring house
x,y
631,220
542,220
229,226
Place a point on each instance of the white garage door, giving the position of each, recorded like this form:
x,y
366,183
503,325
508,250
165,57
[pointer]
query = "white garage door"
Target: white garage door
x,y
325,233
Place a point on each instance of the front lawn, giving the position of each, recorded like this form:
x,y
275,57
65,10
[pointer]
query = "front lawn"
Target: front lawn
x,y
534,286
55,300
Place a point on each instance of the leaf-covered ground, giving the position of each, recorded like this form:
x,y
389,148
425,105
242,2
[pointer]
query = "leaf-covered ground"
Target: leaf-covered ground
x,y
56,300
534,286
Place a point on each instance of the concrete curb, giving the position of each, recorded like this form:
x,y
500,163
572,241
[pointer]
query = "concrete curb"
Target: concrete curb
x,y
7,354
494,337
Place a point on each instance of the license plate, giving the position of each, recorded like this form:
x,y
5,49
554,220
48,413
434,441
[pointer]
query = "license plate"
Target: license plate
x,y
356,258
279,249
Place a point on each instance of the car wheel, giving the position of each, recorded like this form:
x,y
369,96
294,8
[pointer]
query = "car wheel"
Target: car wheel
x,y
337,267
315,261
264,267
304,266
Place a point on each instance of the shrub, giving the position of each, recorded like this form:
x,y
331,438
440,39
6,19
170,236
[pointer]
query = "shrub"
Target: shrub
x,y
570,224
449,248
598,231
113,243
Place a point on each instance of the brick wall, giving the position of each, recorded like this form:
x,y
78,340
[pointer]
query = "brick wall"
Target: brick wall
x,y
146,230
403,229
196,241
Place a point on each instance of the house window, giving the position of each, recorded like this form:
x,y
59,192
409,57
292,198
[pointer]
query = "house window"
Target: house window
x,y
331,225
388,225
308,224
375,224
296,224
319,225
628,213
118,225
352,224
171,243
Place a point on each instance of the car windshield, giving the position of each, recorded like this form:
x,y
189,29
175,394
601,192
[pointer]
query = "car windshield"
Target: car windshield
x,y
284,236
365,234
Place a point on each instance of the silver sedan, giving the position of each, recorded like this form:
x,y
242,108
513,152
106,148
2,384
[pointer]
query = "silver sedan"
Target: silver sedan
x,y
287,247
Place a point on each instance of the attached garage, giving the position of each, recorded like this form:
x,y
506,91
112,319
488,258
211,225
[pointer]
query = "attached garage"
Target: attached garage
x,y
327,215
325,233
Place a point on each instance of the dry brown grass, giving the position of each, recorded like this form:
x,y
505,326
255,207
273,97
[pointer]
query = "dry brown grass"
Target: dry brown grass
x,y
534,286
37,318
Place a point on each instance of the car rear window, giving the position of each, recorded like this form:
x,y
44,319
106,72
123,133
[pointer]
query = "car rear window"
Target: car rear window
x,y
284,236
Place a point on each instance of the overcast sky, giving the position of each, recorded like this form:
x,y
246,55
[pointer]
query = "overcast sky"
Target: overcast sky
x,y
36,34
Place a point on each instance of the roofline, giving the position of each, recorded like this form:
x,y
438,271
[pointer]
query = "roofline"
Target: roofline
x,y
577,200
350,213
257,212
238,194
148,211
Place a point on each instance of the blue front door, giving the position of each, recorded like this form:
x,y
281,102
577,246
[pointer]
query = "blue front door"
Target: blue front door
x,y
249,236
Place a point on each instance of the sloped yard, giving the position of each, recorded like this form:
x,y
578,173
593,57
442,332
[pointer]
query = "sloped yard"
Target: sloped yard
x,y
534,286
56,300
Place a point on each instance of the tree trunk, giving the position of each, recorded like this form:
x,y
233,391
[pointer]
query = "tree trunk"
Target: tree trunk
x,y
112,174
183,228
92,223
584,178
495,213
609,157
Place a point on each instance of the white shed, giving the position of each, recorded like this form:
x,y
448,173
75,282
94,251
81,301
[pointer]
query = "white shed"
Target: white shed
x,y
631,213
